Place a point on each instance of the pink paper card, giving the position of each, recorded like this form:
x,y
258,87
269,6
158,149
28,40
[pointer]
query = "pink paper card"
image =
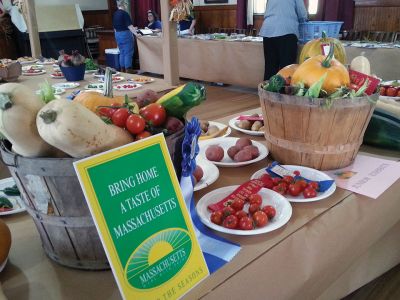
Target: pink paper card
x,y
368,176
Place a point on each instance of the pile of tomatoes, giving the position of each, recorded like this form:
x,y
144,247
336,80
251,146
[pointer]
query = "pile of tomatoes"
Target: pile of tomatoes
x,y
153,114
390,91
291,185
234,215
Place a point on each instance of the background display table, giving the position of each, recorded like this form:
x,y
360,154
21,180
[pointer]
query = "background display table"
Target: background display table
x,y
242,63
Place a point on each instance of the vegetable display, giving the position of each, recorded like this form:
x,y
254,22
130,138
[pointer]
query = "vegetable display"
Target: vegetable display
x,y
315,48
18,108
76,130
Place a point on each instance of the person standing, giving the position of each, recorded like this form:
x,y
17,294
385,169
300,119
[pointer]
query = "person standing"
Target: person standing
x,y
124,32
280,32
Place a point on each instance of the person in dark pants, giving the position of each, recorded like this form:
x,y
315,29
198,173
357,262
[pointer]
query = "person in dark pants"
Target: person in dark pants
x,y
280,31
124,32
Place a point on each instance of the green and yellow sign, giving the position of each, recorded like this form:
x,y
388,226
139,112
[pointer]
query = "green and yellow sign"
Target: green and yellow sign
x,y
138,208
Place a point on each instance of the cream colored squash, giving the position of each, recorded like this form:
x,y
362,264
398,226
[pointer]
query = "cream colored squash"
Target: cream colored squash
x,y
361,64
18,108
76,130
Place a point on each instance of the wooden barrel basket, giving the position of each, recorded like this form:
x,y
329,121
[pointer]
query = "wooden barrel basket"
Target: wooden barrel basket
x,y
53,197
315,132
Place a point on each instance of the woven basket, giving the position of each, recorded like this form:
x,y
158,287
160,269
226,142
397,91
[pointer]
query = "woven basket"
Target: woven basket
x,y
53,197
313,133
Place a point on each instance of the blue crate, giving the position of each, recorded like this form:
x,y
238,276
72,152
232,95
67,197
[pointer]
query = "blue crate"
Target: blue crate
x,y
312,30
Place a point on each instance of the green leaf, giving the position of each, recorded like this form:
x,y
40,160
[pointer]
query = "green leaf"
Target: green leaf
x,y
47,92
315,89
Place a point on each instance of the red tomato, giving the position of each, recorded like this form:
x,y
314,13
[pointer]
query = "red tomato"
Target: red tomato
x,y
237,204
154,113
284,186
269,211
309,192
313,185
391,92
253,208
303,184
260,219
143,135
245,223
398,93
106,111
230,222
217,217
120,116
267,181
255,198
276,180
294,189
227,210
297,173
288,179
135,124
240,214
382,91
279,189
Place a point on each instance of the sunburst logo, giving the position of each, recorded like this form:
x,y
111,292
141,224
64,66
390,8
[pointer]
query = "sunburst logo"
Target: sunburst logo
x,y
158,259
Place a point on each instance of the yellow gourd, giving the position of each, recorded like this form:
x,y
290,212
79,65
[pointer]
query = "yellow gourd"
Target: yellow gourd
x,y
314,48
315,67
92,100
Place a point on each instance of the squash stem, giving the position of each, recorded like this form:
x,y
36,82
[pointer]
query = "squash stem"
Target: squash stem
x,y
323,34
48,116
326,63
5,101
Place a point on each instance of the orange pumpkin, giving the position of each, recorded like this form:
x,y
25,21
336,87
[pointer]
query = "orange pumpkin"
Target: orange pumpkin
x,y
315,67
92,100
287,72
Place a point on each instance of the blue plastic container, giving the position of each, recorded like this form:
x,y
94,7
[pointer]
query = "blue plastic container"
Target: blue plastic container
x,y
313,30
73,73
112,58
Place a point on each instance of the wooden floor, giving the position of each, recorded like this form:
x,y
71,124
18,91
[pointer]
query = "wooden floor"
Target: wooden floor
x,y
232,100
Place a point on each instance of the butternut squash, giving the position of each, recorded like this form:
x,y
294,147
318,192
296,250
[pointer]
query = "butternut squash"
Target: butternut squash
x,y
18,108
78,131
361,64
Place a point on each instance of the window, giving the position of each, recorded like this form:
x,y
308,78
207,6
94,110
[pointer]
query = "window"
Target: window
x,y
259,6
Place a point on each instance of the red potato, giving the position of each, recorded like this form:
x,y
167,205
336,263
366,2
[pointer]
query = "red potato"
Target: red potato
x,y
198,174
243,155
254,151
146,97
173,124
232,151
243,142
215,153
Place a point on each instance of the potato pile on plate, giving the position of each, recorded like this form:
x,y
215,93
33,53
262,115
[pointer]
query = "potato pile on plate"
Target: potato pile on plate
x,y
207,129
251,125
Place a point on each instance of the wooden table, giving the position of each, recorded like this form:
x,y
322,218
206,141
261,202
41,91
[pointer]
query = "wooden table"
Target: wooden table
x,y
328,249
241,63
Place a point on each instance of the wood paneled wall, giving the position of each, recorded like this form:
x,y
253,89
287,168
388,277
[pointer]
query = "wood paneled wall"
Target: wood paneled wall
x,y
97,17
377,15
215,16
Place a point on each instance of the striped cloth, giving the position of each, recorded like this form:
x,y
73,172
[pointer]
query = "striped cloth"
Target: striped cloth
x,y
282,17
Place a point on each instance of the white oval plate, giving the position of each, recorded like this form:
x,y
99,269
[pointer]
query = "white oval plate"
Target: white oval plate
x,y
120,87
94,86
58,91
115,79
226,143
32,67
308,173
56,77
211,174
50,61
145,80
27,62
269,197
18,204
66,85
34,74
220,126
232,123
